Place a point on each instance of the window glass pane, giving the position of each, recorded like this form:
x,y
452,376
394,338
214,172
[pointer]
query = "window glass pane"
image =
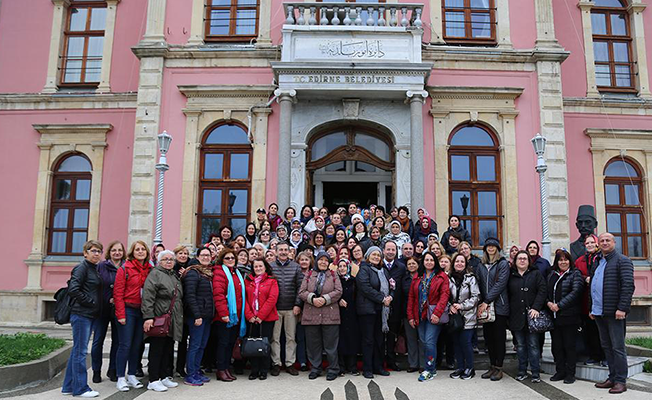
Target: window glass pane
x,y
239,166
81,218
633,223
208,227
456,202
364,167
59,242
620,169
238,202
245,23
623,76
78,18
94,60
83,191
221,2
238,225
212,202
253,2
78,240
611,194
454,3
608,3
486,230
631,195
63,189
73,71
326,144
227,134
75,164
482,4
472,136
621,52
376,146
455,24
213,164
599,24
480,25
613,223
460,168
60,219
487,204
486,166
74,58
468,226
98,19
337,166
635,246
601,51
602,75
219,24
619,243
618,25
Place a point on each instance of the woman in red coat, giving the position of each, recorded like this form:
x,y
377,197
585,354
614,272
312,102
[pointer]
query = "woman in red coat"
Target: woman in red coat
x,y
427,302
229,298
260,310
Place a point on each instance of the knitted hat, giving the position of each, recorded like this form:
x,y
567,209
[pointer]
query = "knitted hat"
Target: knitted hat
x,y
322,254
492,241
371,250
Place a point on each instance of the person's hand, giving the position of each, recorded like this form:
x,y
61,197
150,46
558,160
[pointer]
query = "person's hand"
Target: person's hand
x,y
198,322
555,307
252,320
123,321
534,313
481,308
434,319
226,319
588,279
453,309
620,314
343,303
412,323
181,270
258,320
148,325
296,310
319,302
387,301
591,316
111,300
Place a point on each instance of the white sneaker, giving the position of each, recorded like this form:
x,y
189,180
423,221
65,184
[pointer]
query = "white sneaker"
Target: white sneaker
x,y
66,393
90,394
168,382
122,385
157,386
134,382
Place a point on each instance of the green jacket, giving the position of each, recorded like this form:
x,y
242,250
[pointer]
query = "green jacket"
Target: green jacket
x,y
157,295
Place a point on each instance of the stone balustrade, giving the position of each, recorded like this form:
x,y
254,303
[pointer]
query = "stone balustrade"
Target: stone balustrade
x,y
354,14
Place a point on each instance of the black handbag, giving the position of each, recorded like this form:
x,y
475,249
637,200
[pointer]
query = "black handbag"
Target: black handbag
x,y
255,346
455,321
540,324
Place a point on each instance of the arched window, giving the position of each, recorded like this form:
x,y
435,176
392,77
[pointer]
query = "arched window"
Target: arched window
x,y
69,206
474,182
469,21
612,45
623,195
225,180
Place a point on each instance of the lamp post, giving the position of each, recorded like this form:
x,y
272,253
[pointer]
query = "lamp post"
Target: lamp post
x,y
465,204
539,144
164,140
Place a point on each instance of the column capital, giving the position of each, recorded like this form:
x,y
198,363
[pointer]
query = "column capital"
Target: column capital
x,y
286,94
585,5
64,3
417,95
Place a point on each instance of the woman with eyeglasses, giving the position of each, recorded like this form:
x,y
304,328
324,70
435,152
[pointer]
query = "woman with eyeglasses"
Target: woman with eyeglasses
x,y
264,238
162,293
229,298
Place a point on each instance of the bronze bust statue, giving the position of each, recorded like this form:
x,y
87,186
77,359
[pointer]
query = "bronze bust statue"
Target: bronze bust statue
x,y
586,224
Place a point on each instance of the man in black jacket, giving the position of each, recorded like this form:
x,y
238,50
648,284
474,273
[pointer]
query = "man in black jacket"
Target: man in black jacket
x,y
397,312
611,290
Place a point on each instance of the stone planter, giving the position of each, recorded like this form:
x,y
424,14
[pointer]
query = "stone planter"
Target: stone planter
x,y
32,373
639,351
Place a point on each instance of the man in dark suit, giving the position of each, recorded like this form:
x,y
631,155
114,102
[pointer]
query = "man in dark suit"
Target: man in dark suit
x,y
397,271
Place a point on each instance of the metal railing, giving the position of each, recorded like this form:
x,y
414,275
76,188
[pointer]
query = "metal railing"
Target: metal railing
x,y
354,14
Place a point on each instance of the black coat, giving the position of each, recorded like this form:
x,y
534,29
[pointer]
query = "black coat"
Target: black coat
x,y
198,296
464,234
566,292
525,292
369,300
85,287
399,303
618,283
349,338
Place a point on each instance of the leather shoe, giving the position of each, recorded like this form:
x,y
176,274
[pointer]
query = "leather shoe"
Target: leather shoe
x,y
292,371
222,376
557,377
498,374
618,388
368,375
382,372
276,369
230,375
411,370
313,375
113,377
394,367
97,376
489,372
253,375
605,385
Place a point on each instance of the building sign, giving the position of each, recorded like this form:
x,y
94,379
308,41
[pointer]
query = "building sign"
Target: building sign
x,y
363,49
371,79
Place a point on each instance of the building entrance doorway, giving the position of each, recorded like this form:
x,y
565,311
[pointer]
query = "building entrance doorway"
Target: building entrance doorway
x,y
341,194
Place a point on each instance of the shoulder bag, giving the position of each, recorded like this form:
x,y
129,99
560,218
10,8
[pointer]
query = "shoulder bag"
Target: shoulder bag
x,y
540,324
456,321
489,314
161,326
255,346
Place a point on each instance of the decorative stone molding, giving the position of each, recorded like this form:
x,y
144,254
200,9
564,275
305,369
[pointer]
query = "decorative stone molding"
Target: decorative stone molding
x,y
605,105
60,101
56,141
633,144
107,51
495,107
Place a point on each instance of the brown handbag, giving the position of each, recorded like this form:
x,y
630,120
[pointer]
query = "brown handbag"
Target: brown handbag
x,y
161,326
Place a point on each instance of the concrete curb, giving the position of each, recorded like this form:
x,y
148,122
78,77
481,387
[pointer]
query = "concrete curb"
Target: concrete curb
x,y
19,376
638,351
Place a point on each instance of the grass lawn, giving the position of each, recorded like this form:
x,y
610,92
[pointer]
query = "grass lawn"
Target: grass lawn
x,y
24,347
641,341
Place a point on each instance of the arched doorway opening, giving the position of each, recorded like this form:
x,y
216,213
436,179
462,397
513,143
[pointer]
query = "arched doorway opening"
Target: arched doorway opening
x,y
350,163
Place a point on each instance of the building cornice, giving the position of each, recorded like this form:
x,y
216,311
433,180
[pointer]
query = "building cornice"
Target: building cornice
x,y
608,105
438,53
46,101
229,91
474,92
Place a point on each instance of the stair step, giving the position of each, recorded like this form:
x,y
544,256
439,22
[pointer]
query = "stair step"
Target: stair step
x,y
595,373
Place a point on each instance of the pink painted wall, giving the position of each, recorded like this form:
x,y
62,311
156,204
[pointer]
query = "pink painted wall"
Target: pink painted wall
x,y
523,29
18,205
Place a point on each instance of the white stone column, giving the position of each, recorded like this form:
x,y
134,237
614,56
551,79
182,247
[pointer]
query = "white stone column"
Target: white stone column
x,y
416,100
56,45
286,99
197,23
402,175
640,55
545,24
107,51
589,58
155,31
298,176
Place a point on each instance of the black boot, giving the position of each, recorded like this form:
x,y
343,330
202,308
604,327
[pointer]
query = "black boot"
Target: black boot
x,y
97,376
113,376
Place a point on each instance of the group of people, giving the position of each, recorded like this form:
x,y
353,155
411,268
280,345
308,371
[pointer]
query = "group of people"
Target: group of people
x,y
343,284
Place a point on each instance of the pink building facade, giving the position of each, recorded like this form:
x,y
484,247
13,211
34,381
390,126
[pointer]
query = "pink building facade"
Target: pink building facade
x,y
429,103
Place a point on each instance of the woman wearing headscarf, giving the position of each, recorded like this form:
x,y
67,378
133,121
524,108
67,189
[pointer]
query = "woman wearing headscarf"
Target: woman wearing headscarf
x,y
321,291
421,212
318,242
359,232
250,235
349,337
397,236
181,263
372,306
423,229
295,238
454,225
273,217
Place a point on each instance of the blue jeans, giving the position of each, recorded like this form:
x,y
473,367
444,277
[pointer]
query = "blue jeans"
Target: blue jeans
x,y
464,348
130,337
198,338
100,327
527,350
76,379
612,338
428,335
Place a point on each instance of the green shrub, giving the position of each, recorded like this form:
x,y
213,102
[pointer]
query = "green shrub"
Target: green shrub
x,y
24,347
647,367
641,341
